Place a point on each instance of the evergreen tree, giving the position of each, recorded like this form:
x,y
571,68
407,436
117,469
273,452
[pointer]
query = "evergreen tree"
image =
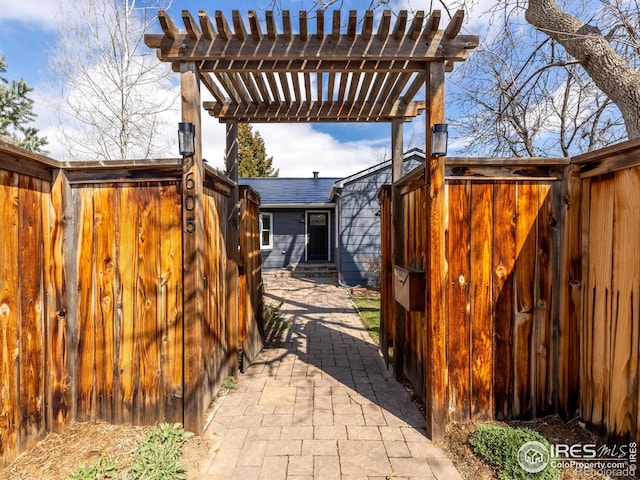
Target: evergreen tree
x,y
252,154
16,112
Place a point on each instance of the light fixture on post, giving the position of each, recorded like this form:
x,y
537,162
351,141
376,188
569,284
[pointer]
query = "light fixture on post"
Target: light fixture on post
x,y
439,137
186,138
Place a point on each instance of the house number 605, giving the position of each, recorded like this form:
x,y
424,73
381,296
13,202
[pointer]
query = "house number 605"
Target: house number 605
x,y
190,203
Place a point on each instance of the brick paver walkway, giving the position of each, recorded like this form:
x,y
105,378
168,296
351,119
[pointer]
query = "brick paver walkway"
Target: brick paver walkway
x,y
322,405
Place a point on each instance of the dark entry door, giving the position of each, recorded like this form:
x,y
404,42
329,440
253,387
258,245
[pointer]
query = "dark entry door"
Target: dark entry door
x,y
318,235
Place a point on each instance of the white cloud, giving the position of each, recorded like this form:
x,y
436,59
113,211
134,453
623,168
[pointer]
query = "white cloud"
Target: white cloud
x,y
41,13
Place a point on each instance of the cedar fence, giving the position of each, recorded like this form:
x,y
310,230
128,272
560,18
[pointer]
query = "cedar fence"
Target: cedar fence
x,y
92,322
540,295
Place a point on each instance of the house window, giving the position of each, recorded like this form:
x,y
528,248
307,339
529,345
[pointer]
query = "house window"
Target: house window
x,y
266,231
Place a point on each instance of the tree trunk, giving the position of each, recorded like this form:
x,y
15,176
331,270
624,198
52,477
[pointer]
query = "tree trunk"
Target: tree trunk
x,y
609,71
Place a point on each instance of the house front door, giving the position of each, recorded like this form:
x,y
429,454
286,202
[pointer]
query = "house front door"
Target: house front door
x,y
317,236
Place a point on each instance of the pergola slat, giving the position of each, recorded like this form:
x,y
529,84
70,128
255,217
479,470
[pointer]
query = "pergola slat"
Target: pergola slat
x,y
251,88
331,86
271,76
284,84
296,86
307,86
254,25
320,24
193,30
400,25
238,25
167,25
431,28
367,26
262,86
351,26
303,26
272,31
273,86
213,88
229,89
319,84
454,26
416,25
385,23
415,86
223,27
286,25
353,87
344,78
206,25
335,30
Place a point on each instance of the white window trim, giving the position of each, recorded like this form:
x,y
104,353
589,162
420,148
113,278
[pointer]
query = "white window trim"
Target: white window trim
x,y
270,245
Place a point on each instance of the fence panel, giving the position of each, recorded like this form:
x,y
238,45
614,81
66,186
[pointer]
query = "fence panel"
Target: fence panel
x,y
610,321
503,291
128,302
251,332
92,298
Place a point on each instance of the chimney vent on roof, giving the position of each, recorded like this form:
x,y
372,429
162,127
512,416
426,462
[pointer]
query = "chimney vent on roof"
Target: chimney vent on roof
x,y
315,174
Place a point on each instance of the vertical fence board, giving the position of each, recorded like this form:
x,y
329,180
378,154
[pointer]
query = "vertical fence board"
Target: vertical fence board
x,y
526,208
105,207
128,353
543,320
9,318
171,302
600,298
504,248
481,320
86,308
30,265
387,324
570,307
148,293
625,290
459,309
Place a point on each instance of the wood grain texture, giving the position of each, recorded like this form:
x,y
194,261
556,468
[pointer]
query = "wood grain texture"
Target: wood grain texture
x,y
599,300
526,237
31,308
9,319
170,303
481,292
503,263
459,295
625,316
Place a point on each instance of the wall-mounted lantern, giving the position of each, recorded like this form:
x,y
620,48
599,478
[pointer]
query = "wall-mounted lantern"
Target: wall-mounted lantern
x,y
439,138
186,138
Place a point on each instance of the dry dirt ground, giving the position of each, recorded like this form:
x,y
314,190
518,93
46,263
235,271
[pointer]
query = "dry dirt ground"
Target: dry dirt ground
x,y
57,456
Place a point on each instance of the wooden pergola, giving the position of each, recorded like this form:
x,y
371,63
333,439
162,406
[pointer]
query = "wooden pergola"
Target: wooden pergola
x,y
352,69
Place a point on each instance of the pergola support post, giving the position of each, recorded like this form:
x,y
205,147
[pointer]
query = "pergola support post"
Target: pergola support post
x,y
192,254
397,241
233,254
436,264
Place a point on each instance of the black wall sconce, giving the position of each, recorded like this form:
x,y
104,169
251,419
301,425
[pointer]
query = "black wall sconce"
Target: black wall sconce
x,y
186,138
439,138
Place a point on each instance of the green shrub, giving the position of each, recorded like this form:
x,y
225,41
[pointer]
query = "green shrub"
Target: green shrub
x,y
101,469
158,455
500,445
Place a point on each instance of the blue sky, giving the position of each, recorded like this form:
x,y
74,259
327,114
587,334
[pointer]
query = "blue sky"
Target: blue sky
x,y
28,33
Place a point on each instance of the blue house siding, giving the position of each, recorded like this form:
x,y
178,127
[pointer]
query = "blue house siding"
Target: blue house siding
x,y
289,237
359,223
